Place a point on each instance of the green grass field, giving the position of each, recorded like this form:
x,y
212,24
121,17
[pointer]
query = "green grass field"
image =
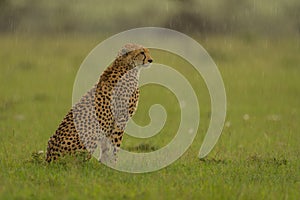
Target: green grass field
x,y
255,158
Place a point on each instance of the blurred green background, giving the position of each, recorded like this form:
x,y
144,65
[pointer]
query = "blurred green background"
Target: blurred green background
x,y
246,17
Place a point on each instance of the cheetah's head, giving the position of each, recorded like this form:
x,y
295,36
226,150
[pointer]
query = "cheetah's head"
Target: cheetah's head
x,y
135,55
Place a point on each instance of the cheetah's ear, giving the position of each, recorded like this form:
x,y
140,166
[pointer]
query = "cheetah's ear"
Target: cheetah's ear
x,y
123,52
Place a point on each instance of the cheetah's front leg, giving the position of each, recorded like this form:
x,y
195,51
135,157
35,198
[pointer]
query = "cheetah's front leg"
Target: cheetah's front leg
x,y
110,147
105,151
116,139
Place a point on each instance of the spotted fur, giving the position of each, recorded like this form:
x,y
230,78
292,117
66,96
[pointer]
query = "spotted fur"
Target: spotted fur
x,y
97,121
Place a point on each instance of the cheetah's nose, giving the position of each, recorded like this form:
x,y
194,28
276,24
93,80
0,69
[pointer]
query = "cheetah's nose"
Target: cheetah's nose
x,y
150,60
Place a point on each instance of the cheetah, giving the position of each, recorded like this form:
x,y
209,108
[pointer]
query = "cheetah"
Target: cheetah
x,y
97,121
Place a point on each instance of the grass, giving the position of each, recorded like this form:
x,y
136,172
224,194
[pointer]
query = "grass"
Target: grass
x,y
255,158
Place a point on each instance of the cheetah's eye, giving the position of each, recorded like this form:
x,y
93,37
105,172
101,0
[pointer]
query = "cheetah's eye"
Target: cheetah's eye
x,y
143,53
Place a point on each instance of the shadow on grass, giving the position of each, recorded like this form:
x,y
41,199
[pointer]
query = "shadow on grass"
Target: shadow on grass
x,y
67,161
142,148
213,161
256,159
250,160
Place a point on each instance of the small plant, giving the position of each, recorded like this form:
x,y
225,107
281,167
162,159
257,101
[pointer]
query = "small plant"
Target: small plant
x,y
37,157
